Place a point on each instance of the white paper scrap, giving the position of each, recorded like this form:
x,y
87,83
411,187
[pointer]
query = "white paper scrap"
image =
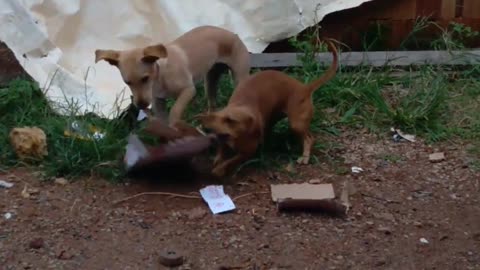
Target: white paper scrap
x,y
216,199
141,115
423,241
135,151
5,184
398,132
356,169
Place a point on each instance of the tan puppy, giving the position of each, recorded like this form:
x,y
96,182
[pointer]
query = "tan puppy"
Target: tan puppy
x,y
256,104
171,70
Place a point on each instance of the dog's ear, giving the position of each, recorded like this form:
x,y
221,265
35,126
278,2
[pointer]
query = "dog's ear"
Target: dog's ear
x,y
152,53
239,117
110,56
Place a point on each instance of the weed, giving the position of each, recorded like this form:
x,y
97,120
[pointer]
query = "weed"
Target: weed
x,y
455,37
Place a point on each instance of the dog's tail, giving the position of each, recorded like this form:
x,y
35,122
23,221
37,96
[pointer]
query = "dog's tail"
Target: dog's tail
x,y
330,73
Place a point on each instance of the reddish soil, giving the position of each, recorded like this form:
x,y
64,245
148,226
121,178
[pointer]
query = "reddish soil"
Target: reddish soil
x,y
400,198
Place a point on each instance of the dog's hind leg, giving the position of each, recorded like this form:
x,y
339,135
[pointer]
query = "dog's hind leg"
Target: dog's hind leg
x,y
300,125
308,140
241,69
240,62
211,83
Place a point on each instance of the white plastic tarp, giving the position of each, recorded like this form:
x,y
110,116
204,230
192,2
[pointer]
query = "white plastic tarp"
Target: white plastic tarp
x,y
55,40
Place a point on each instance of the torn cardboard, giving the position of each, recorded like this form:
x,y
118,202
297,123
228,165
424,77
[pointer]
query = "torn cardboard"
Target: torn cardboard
x,y
320,197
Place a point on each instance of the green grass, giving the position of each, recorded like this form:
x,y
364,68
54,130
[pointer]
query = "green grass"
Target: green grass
x,y
23,104
423,100
426,103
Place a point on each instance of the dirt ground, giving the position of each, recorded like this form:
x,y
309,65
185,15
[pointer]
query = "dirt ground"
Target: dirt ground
x,y
407,213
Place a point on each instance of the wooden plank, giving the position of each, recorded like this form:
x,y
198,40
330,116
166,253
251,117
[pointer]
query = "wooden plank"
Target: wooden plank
x,y
458,8
405,9
471,9
376,59
448,9
390,10
429,8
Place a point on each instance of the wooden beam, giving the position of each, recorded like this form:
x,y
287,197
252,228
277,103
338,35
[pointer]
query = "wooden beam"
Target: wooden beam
x,y
471,9
376,59
448,9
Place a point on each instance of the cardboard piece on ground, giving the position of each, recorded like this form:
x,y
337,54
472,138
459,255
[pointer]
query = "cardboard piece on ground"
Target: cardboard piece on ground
x,y
306,196
216,199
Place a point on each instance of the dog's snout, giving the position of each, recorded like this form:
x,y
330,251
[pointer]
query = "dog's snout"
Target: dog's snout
x,y
142,104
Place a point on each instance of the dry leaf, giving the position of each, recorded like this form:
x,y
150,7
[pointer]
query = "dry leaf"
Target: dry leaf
x,y
28,192
25,193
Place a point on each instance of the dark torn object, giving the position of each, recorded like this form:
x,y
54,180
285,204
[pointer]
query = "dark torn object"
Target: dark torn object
x,y
312,197
178,157
139,156
158,128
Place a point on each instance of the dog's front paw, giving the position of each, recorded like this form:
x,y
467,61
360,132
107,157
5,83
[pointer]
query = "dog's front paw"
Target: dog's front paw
x,y
303,160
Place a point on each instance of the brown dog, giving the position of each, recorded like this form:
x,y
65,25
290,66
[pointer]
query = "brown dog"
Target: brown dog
x,y
157,72
256,104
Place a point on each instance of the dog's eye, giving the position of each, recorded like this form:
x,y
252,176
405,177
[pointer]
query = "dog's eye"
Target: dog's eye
x,y
229,120
144,79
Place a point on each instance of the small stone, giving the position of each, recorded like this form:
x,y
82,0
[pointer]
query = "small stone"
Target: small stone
x,y
436,157
64,255
196,213
232,240
61,181
381,262
315,181
385,230
424,241
36,243
385,216
171,258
